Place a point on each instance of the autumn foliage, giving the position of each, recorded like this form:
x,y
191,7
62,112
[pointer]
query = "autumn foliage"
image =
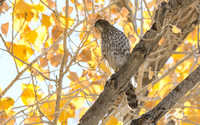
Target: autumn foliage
x,y
55,45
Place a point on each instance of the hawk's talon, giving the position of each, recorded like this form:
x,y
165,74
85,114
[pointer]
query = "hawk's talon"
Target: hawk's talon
x,y
114,81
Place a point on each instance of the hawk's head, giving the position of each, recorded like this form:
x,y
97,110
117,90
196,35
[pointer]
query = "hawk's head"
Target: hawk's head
x,y
102,24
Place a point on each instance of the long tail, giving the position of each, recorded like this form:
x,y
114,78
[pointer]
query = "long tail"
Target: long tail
x,y
131,97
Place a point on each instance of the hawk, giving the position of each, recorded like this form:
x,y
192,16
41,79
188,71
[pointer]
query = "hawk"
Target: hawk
x,y
115,49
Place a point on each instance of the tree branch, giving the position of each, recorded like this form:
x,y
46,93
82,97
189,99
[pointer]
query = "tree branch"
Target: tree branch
x,y
61,74
170,100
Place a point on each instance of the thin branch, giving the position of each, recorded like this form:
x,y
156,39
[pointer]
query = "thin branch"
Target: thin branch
x,y
61,74
170,100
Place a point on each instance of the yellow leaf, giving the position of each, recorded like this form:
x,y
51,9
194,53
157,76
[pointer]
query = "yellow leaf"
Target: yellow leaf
x,y
29,16
96,89
82,34
19,24
187,110
146,14
70,9
46,20
28,95
193,114
113,121
72,1
49,107
97,52
84,73
4,28
56,31
63,19
82,83
175,29
32,119
85,55
21,51
73,77
90,38
40,7
148,104
165,90
162,85
184,69
6,104
161,41
69,111
191,38
55,60
50,3
43,62
42,34
60,50
147,22
21,6
31,36
177,57
65,114
4,7
49,42
23,9
78,102
104,68
128,29
142,111
99,1
4,116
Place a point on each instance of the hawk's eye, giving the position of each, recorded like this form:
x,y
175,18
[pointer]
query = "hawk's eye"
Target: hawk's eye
x,y
97,24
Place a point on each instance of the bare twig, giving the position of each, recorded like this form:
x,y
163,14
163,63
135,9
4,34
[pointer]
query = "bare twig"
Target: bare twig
x,y
61,74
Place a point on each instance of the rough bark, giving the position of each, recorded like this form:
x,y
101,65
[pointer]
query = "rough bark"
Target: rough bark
x,y
137,58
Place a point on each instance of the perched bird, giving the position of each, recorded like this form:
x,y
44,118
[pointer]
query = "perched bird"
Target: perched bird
x,y
115,49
